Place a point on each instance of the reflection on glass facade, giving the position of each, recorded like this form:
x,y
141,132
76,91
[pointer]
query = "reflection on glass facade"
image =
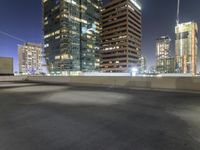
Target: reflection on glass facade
x,y
90,35
186,47
71,35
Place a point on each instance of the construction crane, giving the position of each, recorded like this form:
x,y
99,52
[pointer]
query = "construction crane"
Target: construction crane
x,y
12,36
178,12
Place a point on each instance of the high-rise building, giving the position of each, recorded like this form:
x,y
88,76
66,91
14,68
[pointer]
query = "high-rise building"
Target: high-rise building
x,y
142,67
164,61
6,66
121,35
30,58
71,35
186,47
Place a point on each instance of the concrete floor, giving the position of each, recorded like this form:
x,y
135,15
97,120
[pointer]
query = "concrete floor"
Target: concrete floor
x,y
60,117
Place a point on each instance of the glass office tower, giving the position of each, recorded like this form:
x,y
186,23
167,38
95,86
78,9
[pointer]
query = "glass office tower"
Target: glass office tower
x,y
142,65
186,47
90,35
164,61
71,35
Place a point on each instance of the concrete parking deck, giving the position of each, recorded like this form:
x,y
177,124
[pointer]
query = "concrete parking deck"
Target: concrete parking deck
x,y
37,116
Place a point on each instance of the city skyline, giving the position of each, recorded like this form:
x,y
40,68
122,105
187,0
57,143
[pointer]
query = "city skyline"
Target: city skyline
x,y
28,26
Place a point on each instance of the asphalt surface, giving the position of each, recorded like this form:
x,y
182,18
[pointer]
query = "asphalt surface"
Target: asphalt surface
x,y
60,117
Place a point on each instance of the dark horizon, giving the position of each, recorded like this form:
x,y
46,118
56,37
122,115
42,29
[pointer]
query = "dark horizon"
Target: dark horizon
x,y
159,18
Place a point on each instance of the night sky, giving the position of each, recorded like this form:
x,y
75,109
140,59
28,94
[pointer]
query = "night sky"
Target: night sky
x,y
22,18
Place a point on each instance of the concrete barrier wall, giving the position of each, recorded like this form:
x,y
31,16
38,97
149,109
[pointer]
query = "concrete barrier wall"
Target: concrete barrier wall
x,y
12,78
167,83
188,84
89,80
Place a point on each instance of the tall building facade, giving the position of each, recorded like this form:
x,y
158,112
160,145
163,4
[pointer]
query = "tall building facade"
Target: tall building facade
x,y
30,58
121,35
164,61
142,66
186,47
71,35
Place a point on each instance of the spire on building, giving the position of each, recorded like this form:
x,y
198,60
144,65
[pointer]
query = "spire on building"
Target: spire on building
x,y
178,12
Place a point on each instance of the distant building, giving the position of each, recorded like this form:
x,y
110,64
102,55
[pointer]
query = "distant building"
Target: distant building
x,y
164,61
71,35
152,70
142,65
186,48
30,58
170,65
121,35
6,66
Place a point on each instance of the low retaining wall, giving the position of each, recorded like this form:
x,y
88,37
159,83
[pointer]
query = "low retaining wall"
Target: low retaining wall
x,y
167,83
154,83
12,78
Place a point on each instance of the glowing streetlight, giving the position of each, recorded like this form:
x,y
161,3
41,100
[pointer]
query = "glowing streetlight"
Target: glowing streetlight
x,y
134,71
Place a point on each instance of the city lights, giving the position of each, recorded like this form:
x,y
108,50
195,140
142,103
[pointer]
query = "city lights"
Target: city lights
x,y
107,38
99,75
136,4
134,71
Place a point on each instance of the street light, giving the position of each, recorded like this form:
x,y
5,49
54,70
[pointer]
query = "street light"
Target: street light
x,y
134,71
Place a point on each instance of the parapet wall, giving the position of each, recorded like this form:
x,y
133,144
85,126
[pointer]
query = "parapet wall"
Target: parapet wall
x,y
154,83
12,78
165,83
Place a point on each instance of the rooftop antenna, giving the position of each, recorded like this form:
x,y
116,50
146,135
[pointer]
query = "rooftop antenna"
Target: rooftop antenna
x,y
178,12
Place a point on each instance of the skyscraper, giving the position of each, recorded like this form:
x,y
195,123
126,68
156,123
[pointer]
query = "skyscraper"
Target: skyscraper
x,y
142,66
164,61
186,47
71,35
30,58
121,35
